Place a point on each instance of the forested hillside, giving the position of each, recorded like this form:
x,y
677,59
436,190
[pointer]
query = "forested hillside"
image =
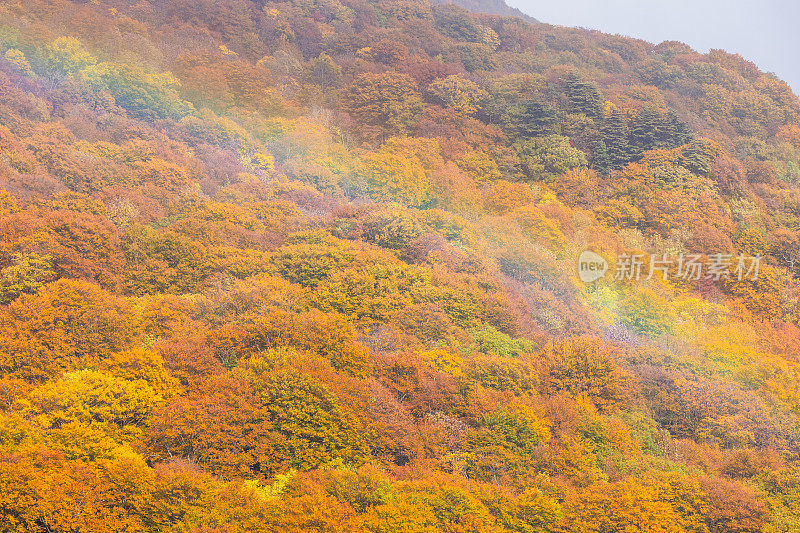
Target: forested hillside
x,y
312,266
492,7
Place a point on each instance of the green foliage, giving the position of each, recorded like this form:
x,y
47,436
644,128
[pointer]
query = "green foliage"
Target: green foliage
x,y
324,72
615,138
143,94
492,342
530,119
67,55
476,57
584,97
645,312
545,158
455,22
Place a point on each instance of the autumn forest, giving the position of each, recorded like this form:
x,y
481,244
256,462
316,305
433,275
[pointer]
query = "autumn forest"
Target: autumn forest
x,y
312,266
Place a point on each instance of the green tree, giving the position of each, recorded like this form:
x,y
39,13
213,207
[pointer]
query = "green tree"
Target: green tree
x,y
144,94
675,132
549,157
601,161
67,55
584,97
615,137
529,118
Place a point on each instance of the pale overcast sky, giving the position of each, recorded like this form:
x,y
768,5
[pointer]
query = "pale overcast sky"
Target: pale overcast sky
x,y
766,32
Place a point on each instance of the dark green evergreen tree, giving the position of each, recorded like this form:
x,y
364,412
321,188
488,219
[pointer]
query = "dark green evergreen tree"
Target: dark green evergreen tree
x,y
584,97
615,137
600,160
696,158
645,130
677,132
529,118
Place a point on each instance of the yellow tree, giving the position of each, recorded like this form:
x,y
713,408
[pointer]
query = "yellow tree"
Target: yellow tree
x,y
395,177
458,93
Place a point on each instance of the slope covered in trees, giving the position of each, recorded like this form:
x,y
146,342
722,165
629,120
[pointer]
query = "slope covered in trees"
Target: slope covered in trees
x,y
312,266
491,7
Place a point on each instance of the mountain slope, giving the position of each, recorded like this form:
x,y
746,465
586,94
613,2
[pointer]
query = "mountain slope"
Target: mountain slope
x,y
491,7
314,266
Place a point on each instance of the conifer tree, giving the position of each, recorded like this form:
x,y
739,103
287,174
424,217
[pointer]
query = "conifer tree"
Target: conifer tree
x,y
600,159
584,97
676,131
531,119
615,137
645,129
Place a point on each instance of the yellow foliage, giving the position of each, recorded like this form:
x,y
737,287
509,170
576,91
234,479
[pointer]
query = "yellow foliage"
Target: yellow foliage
x,y
505,196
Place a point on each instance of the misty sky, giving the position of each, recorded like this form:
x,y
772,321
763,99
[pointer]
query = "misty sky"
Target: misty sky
x,y
766,32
